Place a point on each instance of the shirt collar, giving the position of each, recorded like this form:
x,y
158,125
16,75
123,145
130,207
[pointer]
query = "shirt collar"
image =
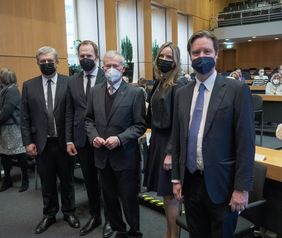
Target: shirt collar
x,y
54,79
209,82
116,85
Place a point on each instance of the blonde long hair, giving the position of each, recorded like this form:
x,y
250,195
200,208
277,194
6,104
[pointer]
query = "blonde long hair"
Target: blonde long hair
x,y
174,73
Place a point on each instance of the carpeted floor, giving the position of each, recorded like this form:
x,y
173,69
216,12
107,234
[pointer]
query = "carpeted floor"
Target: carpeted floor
x,y
21,212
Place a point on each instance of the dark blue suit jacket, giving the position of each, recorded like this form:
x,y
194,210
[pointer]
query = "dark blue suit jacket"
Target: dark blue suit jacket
x,y
228,142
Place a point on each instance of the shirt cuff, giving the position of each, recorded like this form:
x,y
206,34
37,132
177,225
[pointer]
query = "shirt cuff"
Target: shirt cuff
x,y
69,143
175,181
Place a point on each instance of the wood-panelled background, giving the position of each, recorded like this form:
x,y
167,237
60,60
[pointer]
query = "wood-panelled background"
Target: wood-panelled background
x,y
27,25
252,55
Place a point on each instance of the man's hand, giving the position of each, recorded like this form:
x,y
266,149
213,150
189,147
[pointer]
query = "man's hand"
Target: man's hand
x,y
167,162
71,149
239,200
112,142
98,142
31,150
177,191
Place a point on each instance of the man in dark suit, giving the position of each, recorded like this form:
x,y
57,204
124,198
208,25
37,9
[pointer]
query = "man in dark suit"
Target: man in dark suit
x,y
77,144
113,126
43,132
214,144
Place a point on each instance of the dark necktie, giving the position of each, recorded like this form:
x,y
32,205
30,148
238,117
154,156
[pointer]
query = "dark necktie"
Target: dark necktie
x,y
191,161
51,127
88,85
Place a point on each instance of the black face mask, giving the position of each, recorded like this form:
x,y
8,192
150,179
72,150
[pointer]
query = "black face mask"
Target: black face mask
x,y
47,68
203,65
87,64
165,65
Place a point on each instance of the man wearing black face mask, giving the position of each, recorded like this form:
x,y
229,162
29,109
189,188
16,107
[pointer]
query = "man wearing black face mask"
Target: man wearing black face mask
x,y
214,144
43,133
77,143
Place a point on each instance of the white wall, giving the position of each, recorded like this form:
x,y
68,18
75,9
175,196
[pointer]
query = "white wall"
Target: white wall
x,y
183,37
159,25
126,24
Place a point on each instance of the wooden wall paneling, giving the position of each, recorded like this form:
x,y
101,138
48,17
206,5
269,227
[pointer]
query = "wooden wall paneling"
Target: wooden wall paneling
x,y
110,24
229,60
172,25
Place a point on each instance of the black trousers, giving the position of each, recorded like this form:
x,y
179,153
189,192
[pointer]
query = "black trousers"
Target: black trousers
x,y
122,186
91,181
206,219
53,162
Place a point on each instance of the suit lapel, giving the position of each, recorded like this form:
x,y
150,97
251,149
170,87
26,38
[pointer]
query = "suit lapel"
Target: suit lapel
x,y
99,100
217,95
80,88
187,106
100,78
59,88
119,97
39,89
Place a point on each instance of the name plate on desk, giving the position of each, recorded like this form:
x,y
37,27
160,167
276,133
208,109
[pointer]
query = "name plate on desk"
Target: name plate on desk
x,y
259,157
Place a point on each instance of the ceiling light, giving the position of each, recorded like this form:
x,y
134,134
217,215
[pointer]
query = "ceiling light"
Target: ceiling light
x,y
249,40
276,38
254,37
227,39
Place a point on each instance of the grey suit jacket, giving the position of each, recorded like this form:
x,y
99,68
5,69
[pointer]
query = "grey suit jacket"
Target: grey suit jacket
x,y
76,108
228,142
125,120
34,118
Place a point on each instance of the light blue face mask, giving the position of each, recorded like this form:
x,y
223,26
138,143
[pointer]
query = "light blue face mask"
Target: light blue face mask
x,y
113,75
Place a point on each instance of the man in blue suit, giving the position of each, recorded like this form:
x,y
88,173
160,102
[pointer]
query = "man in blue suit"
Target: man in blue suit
x,y
214,144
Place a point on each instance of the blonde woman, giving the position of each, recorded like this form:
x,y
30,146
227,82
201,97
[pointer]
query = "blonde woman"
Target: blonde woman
x,y
274,87
159,118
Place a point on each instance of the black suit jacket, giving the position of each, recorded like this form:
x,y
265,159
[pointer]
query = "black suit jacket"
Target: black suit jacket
x,y
10,99
34,118
125,120
228,142
76,108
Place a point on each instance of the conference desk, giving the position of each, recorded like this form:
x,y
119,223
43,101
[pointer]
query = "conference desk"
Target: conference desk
x,y
273,162
272,108
272,189
260,89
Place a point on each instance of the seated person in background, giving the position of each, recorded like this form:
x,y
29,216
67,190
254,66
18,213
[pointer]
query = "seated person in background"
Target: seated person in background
x,y
241,78
234,75
280,69
274,87
279,132
260,79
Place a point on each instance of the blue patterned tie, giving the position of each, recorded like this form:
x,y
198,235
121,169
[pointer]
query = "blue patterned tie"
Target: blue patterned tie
x,y
191,162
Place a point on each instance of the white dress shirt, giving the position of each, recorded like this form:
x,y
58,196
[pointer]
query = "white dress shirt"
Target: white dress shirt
x,y
115,86
93,78
209,84
53,89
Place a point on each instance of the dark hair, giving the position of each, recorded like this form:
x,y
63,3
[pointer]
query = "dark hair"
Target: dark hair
x,y
201,34
88,42
7,76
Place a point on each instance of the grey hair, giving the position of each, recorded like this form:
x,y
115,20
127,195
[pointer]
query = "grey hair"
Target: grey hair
x,y
114,54
46,50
